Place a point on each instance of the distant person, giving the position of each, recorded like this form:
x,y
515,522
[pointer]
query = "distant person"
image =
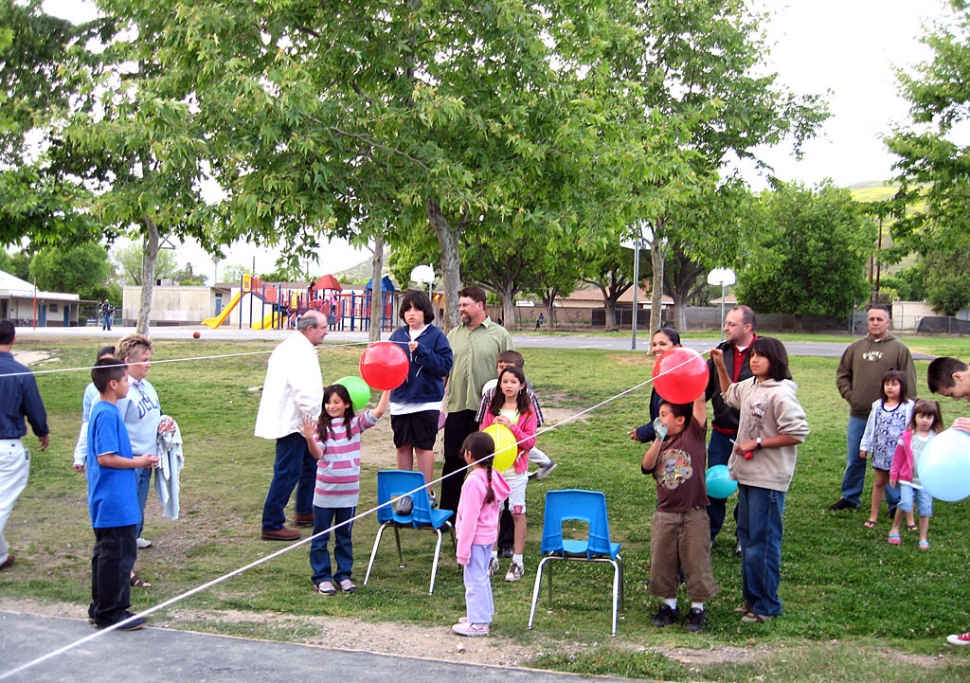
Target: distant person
x,y
334,441
541,319
475,343
859,380
292,391
112,500
925,424
763,463
890,414
416,404
680,541
739,335
107,314
476,528
19,399
950,377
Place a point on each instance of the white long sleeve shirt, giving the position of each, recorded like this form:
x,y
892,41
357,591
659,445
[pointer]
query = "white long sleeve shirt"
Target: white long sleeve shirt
x,y
293,388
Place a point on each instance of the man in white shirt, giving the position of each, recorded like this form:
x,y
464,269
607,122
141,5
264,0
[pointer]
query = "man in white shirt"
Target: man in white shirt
x,y
293,388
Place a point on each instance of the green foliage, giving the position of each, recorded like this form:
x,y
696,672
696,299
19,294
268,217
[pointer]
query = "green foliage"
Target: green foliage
x,y
947,280
129,259
83,270
810,253
909,283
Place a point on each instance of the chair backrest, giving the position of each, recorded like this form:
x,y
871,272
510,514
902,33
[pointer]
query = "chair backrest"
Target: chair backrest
x,y
575,504
393,483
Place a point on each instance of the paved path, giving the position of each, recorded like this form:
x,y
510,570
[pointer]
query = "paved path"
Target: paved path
x,y
154,655
541,341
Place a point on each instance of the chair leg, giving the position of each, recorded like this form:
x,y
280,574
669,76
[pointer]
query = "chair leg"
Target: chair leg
x,y
616,594
397,537
434,565
373,552
550,587
454,539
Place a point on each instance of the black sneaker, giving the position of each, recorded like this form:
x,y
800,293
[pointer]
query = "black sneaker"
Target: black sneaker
x,y
133,625
505,552
843,504
405,506
696,620
666,616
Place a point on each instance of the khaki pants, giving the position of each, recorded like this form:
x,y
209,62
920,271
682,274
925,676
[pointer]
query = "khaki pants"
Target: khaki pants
x,y
681,541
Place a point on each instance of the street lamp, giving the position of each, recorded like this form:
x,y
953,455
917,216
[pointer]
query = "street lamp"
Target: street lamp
x,y
423,275
641,237
723,277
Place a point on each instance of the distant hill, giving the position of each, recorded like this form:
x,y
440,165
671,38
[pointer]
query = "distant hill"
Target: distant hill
x,y
361,273
872,191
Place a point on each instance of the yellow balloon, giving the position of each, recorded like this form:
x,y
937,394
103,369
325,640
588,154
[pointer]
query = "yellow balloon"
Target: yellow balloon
x,y
506,447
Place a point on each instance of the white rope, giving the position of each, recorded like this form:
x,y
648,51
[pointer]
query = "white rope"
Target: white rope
x,y
302,542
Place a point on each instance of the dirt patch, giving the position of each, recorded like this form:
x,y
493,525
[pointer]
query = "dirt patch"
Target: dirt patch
x,y
30,358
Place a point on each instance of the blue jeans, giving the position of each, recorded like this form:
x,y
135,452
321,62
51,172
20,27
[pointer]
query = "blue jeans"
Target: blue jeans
x,y
105,322
294,467
343,549
854,479
718,452
143,477
759,532
924,501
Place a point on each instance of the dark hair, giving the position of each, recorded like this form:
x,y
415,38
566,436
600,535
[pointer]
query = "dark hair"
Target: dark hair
x,y
747,315
481,447
105,351
522,402
939,375
671,334
684,410
474,293
900,377
777,356
925,406
418,300
325,423
107,369
511,356
7,332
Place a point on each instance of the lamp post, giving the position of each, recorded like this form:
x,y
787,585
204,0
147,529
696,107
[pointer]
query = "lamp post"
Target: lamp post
x,y
723,277
641,236
423,275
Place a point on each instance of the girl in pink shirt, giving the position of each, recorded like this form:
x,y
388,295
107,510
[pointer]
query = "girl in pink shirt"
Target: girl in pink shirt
x,y
477,529
334,441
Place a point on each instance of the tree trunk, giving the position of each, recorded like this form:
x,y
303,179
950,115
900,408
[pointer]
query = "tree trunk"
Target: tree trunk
x,y
148,275
798,323
680,309
610,307
508,308
450,262
656,300
377,289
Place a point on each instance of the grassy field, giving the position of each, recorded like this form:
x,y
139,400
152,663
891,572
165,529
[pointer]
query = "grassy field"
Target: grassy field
x,y
855,607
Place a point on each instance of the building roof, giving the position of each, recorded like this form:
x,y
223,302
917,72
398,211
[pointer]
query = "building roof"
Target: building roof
x,y
593,295
15,288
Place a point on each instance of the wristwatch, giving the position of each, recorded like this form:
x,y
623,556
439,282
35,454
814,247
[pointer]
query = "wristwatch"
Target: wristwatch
x,y
758,441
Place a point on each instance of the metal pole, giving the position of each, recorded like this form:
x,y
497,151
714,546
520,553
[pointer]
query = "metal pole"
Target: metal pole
x,y
722,311
636,288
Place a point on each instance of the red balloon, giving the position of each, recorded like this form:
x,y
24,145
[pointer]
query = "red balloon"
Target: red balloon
x,y
384,366
680,375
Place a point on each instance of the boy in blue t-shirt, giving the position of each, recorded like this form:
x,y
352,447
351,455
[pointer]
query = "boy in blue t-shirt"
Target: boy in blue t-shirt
x,y
112,500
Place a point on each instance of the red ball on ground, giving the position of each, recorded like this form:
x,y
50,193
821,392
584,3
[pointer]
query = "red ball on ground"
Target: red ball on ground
x,y
680,375
196,334
384,366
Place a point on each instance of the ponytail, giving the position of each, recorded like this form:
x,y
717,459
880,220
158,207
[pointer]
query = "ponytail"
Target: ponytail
x,y
490,496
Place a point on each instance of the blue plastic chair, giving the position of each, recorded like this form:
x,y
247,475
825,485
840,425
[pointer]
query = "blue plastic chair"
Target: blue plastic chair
x,y
392,484
583,506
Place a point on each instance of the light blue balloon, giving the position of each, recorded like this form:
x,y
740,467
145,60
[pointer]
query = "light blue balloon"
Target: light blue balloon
x,y
719,483
944,468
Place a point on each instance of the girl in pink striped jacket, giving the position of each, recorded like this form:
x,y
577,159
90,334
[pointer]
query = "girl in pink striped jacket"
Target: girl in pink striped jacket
x,y
334,440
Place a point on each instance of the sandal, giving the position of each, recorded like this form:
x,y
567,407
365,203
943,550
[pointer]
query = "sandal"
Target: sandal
x,y
924,545
741,609
753,618
139,582
869,524
894,539
912,527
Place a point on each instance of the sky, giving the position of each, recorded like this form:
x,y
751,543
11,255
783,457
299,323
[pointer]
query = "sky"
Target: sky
x,y
849,47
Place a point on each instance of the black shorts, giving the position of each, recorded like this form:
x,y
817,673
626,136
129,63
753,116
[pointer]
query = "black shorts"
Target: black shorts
x,y
418,429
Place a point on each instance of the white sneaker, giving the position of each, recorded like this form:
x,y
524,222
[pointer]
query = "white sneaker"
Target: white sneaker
x,y
470,630
493,566
143,543
516,572
545,470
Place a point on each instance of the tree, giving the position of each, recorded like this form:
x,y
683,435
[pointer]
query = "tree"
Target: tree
x,y
810,255
947,280
84,270
130,259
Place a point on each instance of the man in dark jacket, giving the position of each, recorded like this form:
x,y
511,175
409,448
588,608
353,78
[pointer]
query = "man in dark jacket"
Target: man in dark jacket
x,y
738,335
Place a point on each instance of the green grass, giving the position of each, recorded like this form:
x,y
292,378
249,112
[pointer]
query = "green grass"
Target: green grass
x,y
855,607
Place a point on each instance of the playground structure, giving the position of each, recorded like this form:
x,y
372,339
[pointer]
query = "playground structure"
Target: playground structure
x,y
280,305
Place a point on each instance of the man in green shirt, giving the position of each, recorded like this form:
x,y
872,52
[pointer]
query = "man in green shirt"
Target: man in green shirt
x,y
475,343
